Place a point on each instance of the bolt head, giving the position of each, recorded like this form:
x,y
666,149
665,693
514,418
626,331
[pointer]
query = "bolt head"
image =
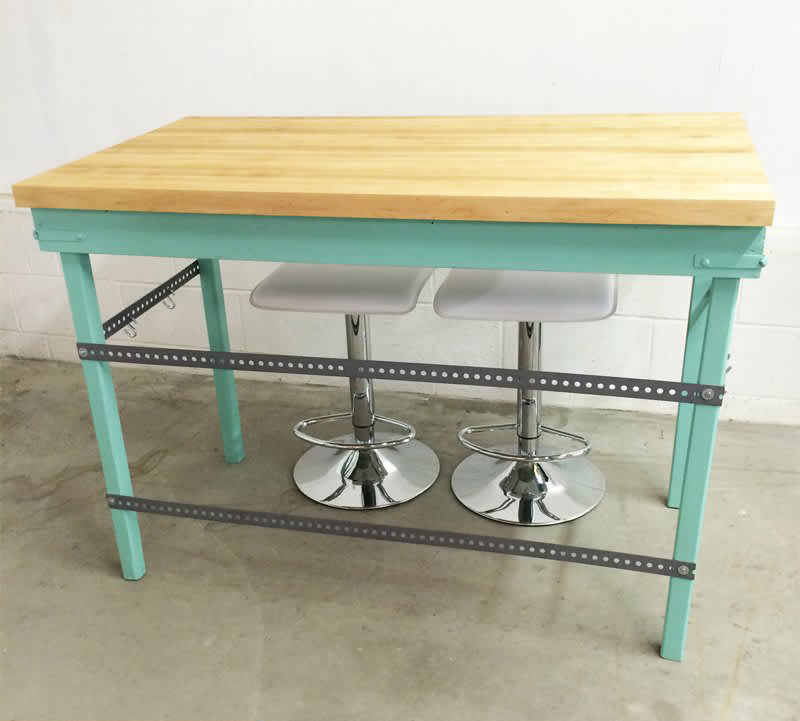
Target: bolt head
x,y
82,352
707,394
683,570
706,262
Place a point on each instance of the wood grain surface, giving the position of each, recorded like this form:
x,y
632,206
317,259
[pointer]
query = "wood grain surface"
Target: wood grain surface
x,y
673,169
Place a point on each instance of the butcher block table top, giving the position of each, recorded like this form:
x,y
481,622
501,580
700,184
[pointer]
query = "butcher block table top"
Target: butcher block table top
x,y
673,169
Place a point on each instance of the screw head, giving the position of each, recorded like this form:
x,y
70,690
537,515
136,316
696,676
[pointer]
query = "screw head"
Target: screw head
x,y
706,262
707,394
82,352
683,570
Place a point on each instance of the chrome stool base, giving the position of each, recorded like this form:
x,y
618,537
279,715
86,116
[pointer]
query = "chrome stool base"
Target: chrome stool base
x,y
369,478
528,494
544,478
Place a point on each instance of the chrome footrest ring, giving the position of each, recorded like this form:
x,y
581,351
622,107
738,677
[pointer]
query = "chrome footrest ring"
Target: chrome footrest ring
x,y
408,433
583,449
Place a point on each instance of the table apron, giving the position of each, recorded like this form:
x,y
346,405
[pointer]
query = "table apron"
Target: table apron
x,y
577,247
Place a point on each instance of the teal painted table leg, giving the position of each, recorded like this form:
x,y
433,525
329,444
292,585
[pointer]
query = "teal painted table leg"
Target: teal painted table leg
x,y
702,435
695,330
105,414
217,324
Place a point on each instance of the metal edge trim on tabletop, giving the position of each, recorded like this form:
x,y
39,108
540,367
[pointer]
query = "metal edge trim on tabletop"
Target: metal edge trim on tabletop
x,y
394,370
147,301
404,534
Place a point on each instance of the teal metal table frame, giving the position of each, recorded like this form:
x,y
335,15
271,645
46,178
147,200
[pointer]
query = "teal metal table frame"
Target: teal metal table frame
x,y
716,257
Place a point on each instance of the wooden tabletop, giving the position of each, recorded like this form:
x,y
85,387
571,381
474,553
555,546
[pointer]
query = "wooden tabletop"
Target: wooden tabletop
x,y
678,169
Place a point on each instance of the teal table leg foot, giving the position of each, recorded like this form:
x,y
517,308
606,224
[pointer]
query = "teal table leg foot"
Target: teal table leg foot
x,y
105,414
217,325
701,438
695,331
676,622
129,544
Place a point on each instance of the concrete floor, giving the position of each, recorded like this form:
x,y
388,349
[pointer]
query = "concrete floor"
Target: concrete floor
x,y
238,622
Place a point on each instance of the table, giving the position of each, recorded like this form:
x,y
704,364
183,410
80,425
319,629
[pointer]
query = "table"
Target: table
x,y
676,194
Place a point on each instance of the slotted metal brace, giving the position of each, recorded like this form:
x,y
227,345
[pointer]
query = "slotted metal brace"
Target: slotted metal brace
x,y
405,534
139,307
676,392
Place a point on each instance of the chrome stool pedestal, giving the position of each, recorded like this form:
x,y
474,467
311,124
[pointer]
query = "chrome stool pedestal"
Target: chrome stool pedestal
x,y
366,468
544,477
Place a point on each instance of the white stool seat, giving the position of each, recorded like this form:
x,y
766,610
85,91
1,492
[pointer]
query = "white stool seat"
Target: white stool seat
x,y
526,295
344,289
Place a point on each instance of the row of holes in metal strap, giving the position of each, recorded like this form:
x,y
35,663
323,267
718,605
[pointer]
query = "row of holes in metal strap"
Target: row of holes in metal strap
x,y
211,360
148,301
383,532
372,370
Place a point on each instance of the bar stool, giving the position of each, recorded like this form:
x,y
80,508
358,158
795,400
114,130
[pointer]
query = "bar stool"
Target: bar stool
x,y
544,477
366,468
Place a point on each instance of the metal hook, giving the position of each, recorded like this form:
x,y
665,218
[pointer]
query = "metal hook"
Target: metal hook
x,y
169,301
130,329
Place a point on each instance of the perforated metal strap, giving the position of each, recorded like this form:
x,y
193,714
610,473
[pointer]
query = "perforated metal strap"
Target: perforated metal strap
x,y
404,534
430,372
146,302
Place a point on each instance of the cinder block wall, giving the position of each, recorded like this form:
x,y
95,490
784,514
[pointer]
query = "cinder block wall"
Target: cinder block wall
x,y
644,338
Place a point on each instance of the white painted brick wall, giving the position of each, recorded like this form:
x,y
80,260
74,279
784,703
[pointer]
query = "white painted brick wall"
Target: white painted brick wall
x,y
644,338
